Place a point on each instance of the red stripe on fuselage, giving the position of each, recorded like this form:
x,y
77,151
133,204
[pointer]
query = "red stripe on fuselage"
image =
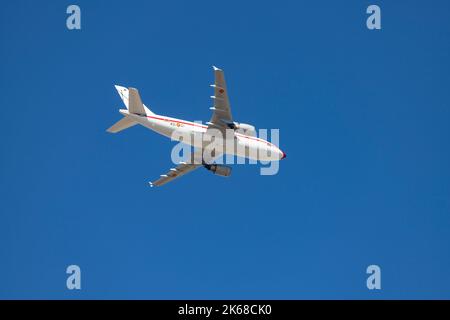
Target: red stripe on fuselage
x,y
204,127
178,121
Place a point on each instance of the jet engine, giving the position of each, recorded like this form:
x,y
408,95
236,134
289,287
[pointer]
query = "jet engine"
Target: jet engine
x,y
244,128
224,171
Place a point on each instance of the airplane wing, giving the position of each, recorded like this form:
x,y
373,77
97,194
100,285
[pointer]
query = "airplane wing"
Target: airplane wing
x,y
174,173
195,161
221,118
180,170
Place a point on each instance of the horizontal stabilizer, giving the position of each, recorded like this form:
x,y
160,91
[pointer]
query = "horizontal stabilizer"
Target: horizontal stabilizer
x,y
135,104
122,124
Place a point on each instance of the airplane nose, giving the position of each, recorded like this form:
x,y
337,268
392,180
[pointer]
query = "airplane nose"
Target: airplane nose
x,y
283,156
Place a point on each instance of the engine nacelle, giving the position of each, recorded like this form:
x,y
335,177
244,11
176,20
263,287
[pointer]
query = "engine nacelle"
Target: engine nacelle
x,y
245,128
220,170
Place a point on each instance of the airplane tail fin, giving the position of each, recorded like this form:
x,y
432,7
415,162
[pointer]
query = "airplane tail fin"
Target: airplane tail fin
x,y
133,102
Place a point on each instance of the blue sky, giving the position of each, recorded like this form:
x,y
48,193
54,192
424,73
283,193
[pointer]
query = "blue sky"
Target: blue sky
x,y
363,117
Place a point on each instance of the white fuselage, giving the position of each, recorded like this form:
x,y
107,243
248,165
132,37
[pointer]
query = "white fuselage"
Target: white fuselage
x,y
246,146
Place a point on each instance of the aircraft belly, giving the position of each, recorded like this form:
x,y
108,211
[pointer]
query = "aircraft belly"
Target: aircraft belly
x,y
245,148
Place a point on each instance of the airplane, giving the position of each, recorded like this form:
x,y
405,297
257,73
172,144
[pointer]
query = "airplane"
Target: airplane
x,y
244,135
